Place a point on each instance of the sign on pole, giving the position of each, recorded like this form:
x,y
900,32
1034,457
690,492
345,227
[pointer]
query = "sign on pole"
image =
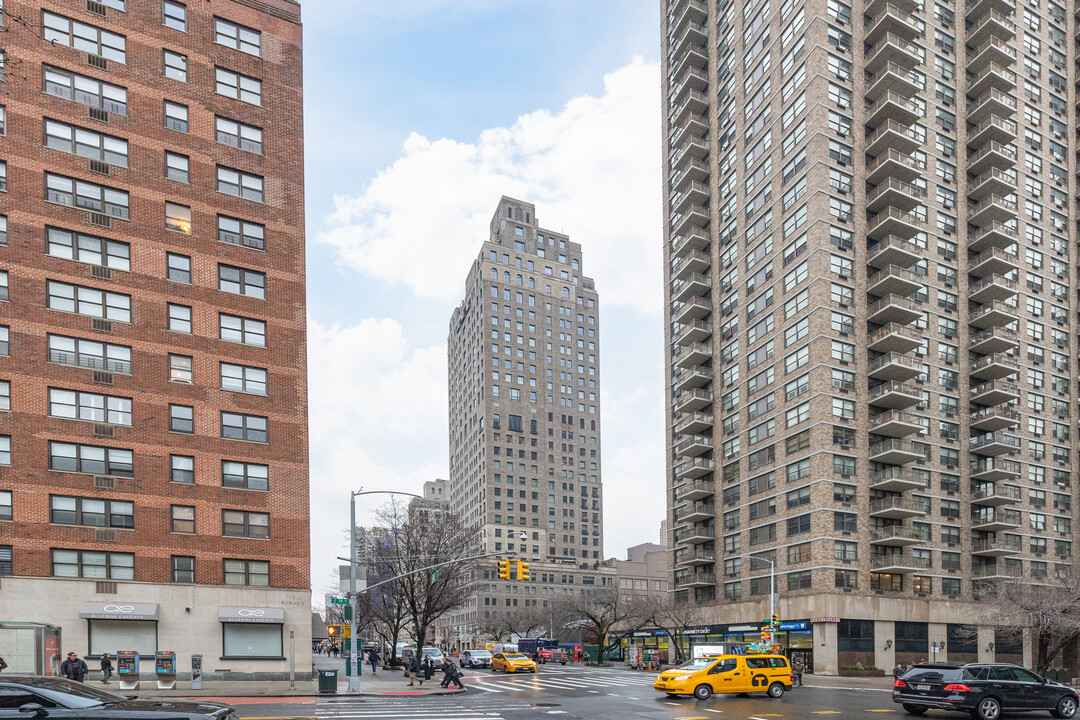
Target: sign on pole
x,y
339,601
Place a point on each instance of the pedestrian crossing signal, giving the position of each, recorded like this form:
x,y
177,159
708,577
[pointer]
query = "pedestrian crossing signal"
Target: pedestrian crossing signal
x,y
522,570
504,569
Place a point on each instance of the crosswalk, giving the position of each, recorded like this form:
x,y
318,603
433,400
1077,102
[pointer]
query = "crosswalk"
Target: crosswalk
x,y
597,683
416,708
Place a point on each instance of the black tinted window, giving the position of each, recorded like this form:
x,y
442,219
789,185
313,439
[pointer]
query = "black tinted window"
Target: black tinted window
x,y
932,675
757,663
1026,675
723,666
1002,673
13,699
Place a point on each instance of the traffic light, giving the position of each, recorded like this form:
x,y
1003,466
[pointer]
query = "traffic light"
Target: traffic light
x,y
522,570
504,569
332,630
775,619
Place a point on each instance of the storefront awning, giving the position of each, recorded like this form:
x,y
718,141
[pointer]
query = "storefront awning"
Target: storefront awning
x,y
118,611
274,616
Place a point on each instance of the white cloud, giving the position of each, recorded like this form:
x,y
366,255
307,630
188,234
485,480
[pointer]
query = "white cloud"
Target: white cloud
x,y
591,169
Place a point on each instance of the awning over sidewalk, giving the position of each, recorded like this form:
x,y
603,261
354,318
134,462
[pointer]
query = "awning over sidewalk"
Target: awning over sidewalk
x,y
118,611
275,616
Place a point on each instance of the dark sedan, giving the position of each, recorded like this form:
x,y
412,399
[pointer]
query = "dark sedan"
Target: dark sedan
x,y
984,690
32,696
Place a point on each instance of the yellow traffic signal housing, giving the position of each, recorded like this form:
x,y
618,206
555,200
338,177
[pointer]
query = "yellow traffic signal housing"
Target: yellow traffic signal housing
x,y
775,619
504,569
522,570
331,630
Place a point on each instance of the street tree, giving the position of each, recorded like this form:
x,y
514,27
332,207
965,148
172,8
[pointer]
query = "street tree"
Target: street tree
x,y
383,604
675,619
605,614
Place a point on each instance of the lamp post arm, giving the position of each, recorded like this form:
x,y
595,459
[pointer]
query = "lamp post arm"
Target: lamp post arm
x,y
432,567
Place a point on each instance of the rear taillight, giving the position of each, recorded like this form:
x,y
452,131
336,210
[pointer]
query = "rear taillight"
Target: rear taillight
x,y
957,687
899,683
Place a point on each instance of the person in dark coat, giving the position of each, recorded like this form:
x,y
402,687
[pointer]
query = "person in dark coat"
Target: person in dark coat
x,y
73,668
374,658
3,665
414,668
106,668
429,667
451,674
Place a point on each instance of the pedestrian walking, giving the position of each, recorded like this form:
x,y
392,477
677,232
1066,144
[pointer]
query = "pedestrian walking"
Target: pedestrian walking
x,y
106,668
451,674
3,665
374,658
897,672
73,668
799,668
414,668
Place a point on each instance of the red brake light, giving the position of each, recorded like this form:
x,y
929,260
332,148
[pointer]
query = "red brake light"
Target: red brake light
x,y
957,687
899,683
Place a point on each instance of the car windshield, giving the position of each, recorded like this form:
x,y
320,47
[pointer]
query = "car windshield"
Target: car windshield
x,y
481,653
697,664
516,656
70,694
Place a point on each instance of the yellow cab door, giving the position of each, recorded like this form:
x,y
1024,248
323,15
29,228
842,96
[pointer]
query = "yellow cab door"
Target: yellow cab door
x,y
759,673
725,676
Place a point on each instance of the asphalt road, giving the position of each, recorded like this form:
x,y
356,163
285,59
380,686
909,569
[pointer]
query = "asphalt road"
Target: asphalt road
x,y
575,692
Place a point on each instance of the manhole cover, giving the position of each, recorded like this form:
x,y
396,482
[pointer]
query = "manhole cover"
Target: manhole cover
x,y
545,704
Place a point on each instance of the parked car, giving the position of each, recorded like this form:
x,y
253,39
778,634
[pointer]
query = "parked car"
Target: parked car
x,y
984,690
37,696
554,655
475,658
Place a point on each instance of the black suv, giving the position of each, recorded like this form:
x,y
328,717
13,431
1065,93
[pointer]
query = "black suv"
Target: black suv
x,y
982,689
35,697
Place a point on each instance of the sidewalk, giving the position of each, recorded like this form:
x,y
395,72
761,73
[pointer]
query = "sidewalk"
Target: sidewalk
x,y
383,682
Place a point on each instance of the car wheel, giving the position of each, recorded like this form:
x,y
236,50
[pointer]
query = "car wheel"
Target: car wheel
x,y
776,690
703,692
989,708
1066,707
913,709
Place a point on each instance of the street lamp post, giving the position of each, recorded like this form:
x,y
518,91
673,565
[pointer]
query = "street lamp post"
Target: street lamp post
x,y
772,583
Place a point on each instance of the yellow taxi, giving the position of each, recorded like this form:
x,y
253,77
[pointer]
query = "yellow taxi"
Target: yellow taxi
x,y
512,662
703,676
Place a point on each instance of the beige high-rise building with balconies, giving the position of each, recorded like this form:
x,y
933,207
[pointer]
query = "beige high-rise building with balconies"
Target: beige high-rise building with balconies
x,y
870,316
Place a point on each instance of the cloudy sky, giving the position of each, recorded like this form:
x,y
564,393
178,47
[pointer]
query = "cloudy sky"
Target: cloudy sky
x,y
420,114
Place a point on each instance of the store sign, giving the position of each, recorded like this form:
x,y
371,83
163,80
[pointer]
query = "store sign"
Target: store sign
x,y
118,611
643,634
793,626
697,631
824,620
744,628
275,616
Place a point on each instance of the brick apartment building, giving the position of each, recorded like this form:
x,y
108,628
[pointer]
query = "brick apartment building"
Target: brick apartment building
x,y
153,433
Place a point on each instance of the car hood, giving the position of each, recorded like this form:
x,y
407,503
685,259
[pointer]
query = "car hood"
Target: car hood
x,y
676,674
164,705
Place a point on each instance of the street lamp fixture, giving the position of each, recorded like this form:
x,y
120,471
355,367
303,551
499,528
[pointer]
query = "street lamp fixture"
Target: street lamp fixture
x,y
772,582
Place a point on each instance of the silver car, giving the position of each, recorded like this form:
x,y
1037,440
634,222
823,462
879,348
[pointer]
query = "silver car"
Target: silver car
x,y
476,658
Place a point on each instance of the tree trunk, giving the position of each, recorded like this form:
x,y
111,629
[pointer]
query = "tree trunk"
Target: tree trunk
x,y
1049,649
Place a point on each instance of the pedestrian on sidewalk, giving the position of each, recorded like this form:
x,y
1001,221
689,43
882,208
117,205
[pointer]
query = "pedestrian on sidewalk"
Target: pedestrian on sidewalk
x,y
451,674
897,672
799,668
374,658
429,667
106,668
414,668
73,668
3,665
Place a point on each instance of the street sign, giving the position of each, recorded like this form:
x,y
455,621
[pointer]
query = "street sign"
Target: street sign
x,y
339,601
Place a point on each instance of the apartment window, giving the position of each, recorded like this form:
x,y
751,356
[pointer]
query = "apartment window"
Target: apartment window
x,y
236,426
247,331
5,450
182,469
842,351
183,569
799,580
248,476
5,396
174,15
87,143
237,37
239,135
178,218
91,564
179,318
241,232
180,369
5,508
91,407
94,512
240,281
182,419
244,379
844,522
247,572
175,66
240,184
91,39
85,90
5,344
238,523
178,168
89,249
183,519
241,87
176,116
89,354
178,268
87,196
90,459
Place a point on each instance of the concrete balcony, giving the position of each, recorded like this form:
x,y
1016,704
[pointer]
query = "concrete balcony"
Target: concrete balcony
x,y
892,135
991,24
693,354
693,238
898,535
694,103
894,222
693,309
692,377
895,366
694,216
894,423
894,395
691,34
992,155
994,208
700,557
695,285
691,172
995,494
989,547
693,78
894,250
994,572
894,337
692,56
694,331
892,164
995,366
994,102
992,262
990,288
992,51
976,9
695,490
991,76
693,193
995,235
695,535
894,308
696,580
689,11
991,468
690,263
993,314
895,479
895,193
694,446
694,423
898,563
994,340
992,129
891,20
693,400
692,147
995,417
689,124
894,452
896,508
695,512
892,106
995,392
995,520
892,48
995,443
893,280
992,183
892,77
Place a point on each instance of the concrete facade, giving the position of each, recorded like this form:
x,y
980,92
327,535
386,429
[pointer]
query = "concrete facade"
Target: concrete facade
x,y
644,571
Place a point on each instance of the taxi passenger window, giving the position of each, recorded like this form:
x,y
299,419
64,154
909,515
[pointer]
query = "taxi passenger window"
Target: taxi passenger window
x,y
777,662
722,667
757,663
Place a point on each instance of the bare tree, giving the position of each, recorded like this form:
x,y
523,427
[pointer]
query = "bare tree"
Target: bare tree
x,y
526,622
675,619
606,614
383,604
495,625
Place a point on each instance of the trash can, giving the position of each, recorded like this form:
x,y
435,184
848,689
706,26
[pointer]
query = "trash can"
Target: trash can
x,y
328,681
